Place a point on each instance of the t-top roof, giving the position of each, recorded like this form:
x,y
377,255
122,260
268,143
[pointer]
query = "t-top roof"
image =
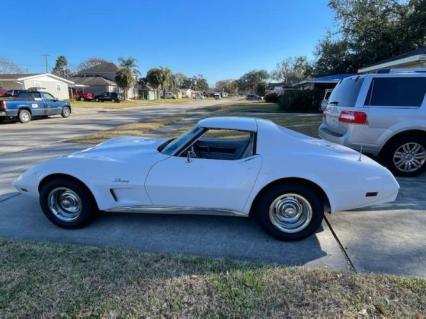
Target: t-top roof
x,y
230,123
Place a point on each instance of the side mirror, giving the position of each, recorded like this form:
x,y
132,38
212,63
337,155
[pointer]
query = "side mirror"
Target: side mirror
x,y
188,156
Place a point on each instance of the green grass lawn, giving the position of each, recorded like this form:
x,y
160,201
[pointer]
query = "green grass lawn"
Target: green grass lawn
x,y
54,280
304,123
129,103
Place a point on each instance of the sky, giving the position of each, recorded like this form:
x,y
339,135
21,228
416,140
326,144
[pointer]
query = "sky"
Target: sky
x,y
216,38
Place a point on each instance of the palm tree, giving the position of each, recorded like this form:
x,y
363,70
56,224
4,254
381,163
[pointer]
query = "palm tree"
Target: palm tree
x,y
127,74
125,80
129,64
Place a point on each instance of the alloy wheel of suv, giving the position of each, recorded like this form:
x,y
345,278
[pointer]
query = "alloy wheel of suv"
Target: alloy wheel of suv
x,y
406,156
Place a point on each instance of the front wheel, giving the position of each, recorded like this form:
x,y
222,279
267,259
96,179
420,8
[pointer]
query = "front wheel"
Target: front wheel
x,y
24,116
406,156
67,203
66,111
290,211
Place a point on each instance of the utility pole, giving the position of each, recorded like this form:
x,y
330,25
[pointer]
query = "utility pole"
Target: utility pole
x,y
46,64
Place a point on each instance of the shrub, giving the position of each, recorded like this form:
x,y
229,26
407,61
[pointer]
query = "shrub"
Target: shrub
x,y
304,101
271,97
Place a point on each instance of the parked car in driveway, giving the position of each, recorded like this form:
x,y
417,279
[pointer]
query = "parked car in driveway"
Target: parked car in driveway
x,y
83,96
383,114
29,104
169,95
225,165
108,96
253,97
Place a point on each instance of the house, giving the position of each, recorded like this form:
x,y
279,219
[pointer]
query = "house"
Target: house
x,y
95,84
148,93
105,72
322,82
186,93
55,85
412,59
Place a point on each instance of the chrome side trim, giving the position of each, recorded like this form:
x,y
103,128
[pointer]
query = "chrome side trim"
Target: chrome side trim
x,y
176,210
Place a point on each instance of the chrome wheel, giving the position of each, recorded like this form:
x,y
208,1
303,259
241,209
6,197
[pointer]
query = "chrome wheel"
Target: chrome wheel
x,y
290,213
65,204
409,157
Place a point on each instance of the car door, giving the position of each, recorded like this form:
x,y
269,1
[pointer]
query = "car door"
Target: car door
x,y
53,106
211,183
35,101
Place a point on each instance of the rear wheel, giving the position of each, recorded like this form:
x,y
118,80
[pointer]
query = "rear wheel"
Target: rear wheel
x,y
67,203
66,111
24,116
290,211
81,98
406,156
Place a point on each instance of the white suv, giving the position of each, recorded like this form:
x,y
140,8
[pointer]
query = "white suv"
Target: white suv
x,y
381,114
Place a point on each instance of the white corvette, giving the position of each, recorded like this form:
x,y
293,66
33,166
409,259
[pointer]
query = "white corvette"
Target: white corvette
x,y
224,165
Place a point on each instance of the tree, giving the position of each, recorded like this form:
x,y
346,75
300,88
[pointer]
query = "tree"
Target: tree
x,y
7,66
181,81
371,31
125,79
199,83
292,70
61,67
249,81
229,86
129,64
159,78
90,63
333,57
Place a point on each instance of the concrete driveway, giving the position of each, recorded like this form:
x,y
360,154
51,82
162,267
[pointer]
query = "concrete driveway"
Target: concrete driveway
x,y
388,238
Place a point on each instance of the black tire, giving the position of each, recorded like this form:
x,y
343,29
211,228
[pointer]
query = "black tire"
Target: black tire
x,y
262,213
113,100
388,153
24,116
88,210
2,119
81,98
96,100
66,112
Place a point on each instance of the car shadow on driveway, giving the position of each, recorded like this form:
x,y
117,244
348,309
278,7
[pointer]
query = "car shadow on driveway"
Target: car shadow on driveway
x,y
214,236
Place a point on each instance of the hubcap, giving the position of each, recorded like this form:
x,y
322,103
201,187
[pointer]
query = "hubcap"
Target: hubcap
x,y
290,213
409,157
65,204
25,116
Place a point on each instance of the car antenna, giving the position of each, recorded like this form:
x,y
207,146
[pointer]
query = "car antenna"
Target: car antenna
x,y
360,154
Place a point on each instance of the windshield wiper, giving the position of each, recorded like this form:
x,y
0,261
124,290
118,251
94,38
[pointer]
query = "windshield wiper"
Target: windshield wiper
x,y
334,102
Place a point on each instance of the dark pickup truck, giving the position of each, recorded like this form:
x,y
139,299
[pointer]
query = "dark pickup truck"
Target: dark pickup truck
x,y
29,104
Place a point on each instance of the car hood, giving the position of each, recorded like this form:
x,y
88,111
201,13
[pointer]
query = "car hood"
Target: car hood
x,y
120,148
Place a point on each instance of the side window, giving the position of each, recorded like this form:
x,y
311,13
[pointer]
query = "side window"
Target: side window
x,y
48,96
396,91
221,144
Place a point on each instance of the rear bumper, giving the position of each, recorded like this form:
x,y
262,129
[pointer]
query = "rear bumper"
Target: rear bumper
x,y
8,113
348,139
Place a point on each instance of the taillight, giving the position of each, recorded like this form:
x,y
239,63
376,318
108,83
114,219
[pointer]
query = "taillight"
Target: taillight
x,y
3,105
353,117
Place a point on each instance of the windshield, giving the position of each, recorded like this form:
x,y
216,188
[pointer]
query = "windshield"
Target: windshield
x,y
181,141
346,92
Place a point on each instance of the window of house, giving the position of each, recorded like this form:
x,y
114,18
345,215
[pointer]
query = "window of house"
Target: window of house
x,y
397,91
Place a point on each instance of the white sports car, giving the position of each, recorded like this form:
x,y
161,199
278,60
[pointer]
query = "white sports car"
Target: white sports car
x,y
223,165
